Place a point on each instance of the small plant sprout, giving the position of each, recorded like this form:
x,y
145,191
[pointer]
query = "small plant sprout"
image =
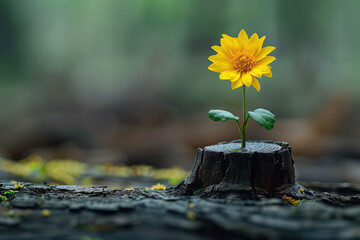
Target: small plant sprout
x,y
3,198
242,60
7,195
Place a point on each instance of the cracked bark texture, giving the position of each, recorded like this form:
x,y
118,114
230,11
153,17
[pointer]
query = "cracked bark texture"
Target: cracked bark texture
x,y
104,213
262,169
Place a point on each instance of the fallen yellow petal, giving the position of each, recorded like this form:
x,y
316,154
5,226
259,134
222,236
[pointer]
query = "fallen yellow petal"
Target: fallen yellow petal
x,y
46,213
191,215
157,187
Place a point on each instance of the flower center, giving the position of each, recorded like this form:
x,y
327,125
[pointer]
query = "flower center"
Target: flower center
x,y
243,63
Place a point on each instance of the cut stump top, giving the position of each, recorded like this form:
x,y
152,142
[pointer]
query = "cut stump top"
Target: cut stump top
x,y
251,147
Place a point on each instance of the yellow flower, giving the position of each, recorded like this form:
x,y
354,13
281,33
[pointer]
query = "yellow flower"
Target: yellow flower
x,y
242,60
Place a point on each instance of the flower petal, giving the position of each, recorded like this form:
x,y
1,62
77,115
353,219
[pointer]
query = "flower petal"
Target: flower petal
x,y
227,37
228,44
222,52
235,78
268,74
253,44
219,59
265,69
218,68
259,45
236,84
243,37
255,84
227,75
265,60
256,72
246,78
265,51
237,45
261,41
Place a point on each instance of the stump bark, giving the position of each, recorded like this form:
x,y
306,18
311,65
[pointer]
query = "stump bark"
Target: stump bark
x,y
262,169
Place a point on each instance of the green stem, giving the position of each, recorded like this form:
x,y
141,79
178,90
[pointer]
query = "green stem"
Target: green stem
x,y
239,126
243,141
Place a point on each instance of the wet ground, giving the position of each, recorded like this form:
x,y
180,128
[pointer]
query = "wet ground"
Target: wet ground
x,y
125,209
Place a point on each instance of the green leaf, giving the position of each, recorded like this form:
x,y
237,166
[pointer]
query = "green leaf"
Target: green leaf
x,y
221,115
264,117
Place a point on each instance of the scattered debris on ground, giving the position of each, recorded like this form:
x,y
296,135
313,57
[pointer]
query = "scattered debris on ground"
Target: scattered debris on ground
x,y
71,212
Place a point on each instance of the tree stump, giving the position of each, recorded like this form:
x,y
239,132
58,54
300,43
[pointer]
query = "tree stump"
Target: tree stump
x,y
262,169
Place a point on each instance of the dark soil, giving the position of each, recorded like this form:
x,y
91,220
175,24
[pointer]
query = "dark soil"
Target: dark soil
x,y
89,213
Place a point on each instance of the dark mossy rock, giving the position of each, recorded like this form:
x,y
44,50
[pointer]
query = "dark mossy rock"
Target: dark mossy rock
x,y
262,169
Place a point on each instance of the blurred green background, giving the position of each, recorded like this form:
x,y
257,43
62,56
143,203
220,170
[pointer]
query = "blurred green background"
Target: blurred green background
x,y
127,81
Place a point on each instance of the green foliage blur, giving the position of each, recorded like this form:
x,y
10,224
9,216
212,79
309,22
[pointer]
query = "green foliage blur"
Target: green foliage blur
x,y
127,82
100,50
